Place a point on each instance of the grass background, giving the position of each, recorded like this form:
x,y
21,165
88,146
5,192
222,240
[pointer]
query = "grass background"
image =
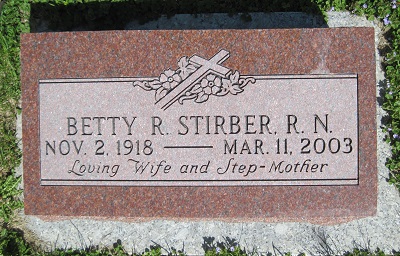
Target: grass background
x,y
17,16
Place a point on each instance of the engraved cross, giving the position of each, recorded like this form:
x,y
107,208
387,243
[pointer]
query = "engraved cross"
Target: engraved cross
x,y
206,66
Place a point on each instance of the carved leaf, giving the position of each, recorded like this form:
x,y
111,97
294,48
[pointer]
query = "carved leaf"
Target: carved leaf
x,y
155,84
235,89
226,83
234,77
160,93
183,62
186,97
185,67
187,71
201,97
196,89
148,85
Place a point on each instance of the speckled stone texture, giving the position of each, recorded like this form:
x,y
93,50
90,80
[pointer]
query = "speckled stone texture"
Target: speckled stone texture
x,y
141,54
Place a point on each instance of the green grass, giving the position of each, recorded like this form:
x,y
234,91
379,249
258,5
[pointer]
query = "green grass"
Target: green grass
x,y
14,19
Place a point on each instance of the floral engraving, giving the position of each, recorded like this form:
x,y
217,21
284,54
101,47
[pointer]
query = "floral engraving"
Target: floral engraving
x,y
200,91
217,86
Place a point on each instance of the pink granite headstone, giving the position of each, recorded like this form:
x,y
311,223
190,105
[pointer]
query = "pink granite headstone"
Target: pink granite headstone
x,y
205,124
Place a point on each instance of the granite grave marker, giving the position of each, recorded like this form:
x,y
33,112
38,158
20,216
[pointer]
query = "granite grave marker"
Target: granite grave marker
x,y
228,124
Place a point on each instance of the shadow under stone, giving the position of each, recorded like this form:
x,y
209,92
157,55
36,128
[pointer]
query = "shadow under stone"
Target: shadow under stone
x,y
164,14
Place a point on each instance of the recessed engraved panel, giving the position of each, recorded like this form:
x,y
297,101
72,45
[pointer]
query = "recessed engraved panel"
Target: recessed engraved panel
x,y
221,129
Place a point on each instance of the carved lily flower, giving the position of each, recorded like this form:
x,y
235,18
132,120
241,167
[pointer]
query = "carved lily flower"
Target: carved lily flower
x,y
169,79
211,84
